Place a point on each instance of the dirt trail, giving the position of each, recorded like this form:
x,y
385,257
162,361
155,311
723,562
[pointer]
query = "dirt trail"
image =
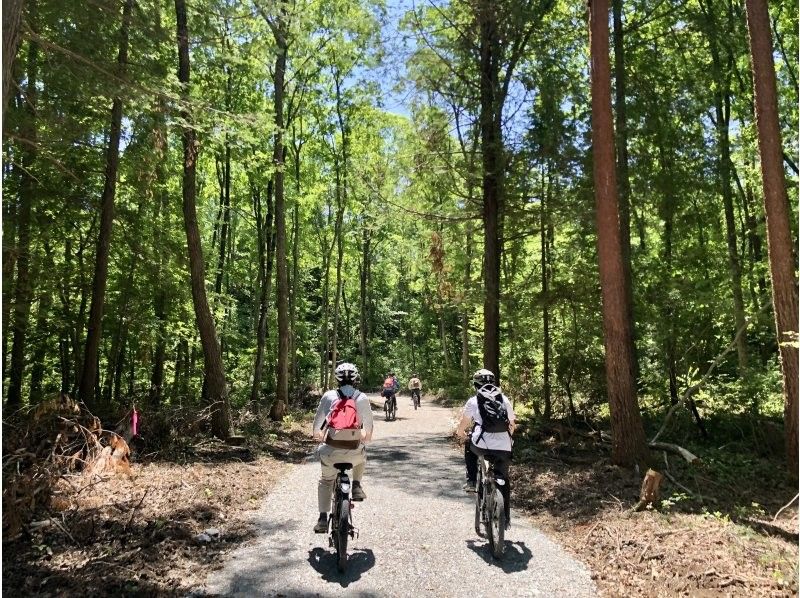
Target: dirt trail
x,y
416,530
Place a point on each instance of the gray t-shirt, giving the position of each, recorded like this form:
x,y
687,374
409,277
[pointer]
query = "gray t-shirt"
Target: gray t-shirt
x,y
497,441
362,406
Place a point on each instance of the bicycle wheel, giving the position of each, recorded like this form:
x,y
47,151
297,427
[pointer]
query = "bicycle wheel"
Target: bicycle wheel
x,y
342,531
386,410
478,505
393,410
497,525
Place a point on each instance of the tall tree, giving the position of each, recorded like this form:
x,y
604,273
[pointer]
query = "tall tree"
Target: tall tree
x,y
27,193
491,118
279,25
95,324
722,110
776,206
216,385
13,12
623,177
629,446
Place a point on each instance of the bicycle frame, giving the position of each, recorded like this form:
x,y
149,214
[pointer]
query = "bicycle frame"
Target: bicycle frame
x,y
386,404
489,509
339,500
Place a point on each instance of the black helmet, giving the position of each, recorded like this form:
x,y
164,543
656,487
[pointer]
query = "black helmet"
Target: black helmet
x,y
482,377
346,373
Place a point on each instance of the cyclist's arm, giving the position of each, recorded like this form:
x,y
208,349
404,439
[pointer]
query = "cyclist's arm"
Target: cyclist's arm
x,y
466,422
319,418
365,413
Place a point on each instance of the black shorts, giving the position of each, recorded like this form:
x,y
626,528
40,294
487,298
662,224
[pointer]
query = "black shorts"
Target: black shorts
x,y
502,456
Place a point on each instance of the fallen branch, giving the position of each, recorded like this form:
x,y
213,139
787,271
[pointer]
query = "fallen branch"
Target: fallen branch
x,y
784,507
130,519
678,484
674,448
586,537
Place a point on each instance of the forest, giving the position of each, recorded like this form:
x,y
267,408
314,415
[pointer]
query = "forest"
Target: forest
x,y
208,204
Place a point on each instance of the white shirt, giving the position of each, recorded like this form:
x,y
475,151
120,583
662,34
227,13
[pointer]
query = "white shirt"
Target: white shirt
x,y
362,406
496,441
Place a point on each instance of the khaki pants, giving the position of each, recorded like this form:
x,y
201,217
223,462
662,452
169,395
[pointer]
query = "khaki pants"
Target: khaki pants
x,y
327,457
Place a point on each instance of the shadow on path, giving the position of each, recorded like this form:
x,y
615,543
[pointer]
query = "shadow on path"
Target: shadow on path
x,y
359,561
515,559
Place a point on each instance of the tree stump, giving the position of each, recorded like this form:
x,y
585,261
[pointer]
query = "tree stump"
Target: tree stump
x,y
650,489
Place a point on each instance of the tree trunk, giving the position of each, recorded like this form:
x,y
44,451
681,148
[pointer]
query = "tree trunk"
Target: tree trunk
x,y
629,446
363,281
620,96
12,36
225,199
266,237
465,361
41,333
341,201
214,368
779,237
27,195
95,323
492,161
548,407
280,31
119,362
295,288
722,108
160,222
722,114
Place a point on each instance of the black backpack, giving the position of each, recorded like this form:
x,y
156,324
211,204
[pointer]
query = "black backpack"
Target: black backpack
x,y
492,409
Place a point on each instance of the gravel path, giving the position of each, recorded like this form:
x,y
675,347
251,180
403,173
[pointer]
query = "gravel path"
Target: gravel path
x,y
416,531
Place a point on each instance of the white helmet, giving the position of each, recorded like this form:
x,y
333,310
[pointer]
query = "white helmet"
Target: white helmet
x,y
490,392
346,373
482,377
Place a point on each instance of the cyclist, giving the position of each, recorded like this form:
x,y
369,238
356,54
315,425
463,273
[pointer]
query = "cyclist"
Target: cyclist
x,y
333,450
415,386
390,388
480,441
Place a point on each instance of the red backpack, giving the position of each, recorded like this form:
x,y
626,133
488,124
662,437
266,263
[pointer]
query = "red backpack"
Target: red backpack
x,y
344,415
388,383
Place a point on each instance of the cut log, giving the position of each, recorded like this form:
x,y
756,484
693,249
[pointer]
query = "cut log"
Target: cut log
x,y
650,489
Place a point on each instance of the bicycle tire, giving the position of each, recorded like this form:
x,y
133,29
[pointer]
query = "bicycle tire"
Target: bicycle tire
x,y
342,531
386,410
497,525
478,506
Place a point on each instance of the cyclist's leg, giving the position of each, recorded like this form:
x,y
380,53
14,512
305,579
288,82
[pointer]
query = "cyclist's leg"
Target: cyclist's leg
x,y
327,477
359,460
471,461
501,467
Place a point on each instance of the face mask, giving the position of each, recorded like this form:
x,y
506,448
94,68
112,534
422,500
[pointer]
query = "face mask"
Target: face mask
x,y
347,390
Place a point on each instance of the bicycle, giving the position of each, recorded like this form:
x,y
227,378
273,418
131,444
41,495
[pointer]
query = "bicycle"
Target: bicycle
x,y
489,506
341,519
415,398
390,408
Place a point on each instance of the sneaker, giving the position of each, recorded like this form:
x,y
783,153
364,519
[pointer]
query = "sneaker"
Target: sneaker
x,y
469,487
322,524
358,492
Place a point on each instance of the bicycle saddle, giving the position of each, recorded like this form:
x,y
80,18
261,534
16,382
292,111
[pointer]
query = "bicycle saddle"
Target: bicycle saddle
x,y
343,466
